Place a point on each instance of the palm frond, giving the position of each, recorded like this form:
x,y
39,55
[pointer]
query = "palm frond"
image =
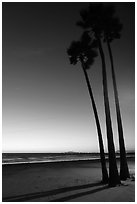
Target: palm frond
x,y
84,49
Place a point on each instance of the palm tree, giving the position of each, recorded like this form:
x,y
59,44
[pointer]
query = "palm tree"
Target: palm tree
x,y
91,21
83,52
112,28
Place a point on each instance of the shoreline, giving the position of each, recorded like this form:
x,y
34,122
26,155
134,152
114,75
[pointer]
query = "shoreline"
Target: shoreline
x,y
51,161
59,161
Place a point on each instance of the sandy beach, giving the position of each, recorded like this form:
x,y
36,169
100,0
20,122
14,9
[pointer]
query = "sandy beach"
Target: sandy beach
x,y
75,181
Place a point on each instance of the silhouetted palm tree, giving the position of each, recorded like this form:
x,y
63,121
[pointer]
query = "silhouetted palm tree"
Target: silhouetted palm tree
x,y
112,28
92,21
83,52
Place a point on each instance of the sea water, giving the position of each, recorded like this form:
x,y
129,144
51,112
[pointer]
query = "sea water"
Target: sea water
x,y
19,158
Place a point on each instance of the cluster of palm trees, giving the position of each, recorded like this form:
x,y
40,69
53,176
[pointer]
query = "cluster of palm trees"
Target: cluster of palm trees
x,y
100,24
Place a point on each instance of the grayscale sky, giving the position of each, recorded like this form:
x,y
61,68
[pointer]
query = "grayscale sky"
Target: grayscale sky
x,y
46,106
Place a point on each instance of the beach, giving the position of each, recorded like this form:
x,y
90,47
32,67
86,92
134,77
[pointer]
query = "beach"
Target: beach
x,y
73,181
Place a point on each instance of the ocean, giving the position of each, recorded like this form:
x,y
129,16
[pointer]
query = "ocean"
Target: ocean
x,y
20,158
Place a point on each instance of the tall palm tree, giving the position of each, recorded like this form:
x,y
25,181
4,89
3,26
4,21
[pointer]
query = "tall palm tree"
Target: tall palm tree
x,y
112,28
83,52
91,21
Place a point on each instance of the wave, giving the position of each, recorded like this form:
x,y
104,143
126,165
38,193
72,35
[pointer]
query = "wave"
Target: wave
x,y
34,158
50,161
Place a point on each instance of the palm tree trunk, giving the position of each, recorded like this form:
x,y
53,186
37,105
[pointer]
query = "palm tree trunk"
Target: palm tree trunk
x,y
124,171
114,178
102,154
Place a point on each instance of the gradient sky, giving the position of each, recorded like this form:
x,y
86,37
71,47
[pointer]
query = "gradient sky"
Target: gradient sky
x,y
46,106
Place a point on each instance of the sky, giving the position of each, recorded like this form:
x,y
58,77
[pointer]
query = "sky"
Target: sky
x,y
45,101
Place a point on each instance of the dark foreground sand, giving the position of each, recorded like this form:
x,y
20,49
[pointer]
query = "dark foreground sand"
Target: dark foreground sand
x,y
63,181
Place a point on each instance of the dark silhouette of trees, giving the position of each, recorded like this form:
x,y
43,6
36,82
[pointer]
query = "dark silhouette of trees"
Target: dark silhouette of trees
x,y
92,22
112,28
84,52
